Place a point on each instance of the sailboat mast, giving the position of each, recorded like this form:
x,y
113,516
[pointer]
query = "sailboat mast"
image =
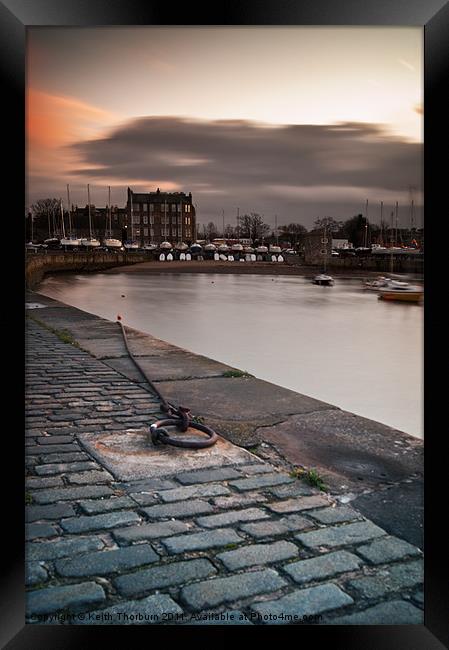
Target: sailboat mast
x,y
69,210
132,217
109,210
381,224
396,236
276,229
88,208
62,218
366,225
223,231
325,250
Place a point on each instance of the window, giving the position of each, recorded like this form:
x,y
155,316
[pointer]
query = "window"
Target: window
x,y
151,207
145,207
136,207
187,208
173,207
151,219
145,232
136,219
145,219
137,232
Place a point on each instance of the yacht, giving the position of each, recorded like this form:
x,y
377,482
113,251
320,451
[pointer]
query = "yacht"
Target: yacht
x,y
109,241
381,282
323,279
402,291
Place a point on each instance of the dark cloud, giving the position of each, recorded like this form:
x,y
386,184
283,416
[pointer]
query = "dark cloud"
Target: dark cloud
x,y
295,171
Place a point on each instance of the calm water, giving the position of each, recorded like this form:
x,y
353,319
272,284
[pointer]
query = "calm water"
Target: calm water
x,y
339,344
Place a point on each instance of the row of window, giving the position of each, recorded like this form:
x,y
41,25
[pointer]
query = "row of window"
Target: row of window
x,y
161,207
165,232
137,219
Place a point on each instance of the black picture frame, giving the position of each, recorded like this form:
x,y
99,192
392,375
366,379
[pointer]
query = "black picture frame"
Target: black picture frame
x,y
15,17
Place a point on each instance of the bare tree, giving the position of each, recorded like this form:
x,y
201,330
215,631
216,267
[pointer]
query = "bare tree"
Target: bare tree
x,y
331,224
253,227
293,232
229,231
210,231
46,210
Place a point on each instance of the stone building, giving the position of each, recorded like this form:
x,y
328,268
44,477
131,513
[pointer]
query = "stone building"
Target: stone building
x,y
317,247
100,221
154,217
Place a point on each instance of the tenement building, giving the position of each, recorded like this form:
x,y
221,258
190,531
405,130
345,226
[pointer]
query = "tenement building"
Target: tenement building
x,y
154,217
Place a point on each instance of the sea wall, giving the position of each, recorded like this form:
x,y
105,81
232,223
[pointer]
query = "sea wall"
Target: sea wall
x,y
37,265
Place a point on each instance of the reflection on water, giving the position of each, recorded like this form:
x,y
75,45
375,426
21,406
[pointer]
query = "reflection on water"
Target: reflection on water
x,y
339,344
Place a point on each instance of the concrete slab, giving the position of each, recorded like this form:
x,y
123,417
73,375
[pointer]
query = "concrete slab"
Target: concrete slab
x,y
130,456
399,510
176,364
350,452
239,398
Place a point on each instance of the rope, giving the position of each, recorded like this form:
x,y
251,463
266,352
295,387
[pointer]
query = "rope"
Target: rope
x,y
179,417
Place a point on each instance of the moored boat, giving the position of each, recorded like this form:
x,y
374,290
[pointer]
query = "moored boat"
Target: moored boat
x,y
380,282
323,280
402,291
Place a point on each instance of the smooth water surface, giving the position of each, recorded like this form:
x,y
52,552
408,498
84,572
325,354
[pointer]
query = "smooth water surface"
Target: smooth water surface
x,y
339,344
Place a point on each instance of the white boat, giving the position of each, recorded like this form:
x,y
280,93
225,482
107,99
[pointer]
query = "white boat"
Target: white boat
x,y
402,291
248,249
70,242
210,247
323,280
181,246
379,283
196,248
236,248
275,249
165,245
89,242
112,243
109,240
262,249
223,248
150,247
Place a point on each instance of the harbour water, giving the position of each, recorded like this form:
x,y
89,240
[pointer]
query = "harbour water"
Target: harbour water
x,y
338,344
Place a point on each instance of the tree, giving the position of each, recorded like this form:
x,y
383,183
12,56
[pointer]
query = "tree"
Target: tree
x,y
229,231
354,230
252,227
331,224
293,232
45,213
210,231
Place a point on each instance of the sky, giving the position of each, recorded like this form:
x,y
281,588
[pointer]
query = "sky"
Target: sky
x,y
294,123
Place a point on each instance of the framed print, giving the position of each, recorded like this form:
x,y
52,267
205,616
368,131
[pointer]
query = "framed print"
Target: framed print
x,y
162,147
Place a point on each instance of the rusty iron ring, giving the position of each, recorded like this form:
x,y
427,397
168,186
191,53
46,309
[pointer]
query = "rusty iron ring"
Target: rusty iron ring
x,y
159,435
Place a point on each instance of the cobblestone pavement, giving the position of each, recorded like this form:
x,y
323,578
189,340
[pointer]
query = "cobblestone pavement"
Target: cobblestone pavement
x,y
242,544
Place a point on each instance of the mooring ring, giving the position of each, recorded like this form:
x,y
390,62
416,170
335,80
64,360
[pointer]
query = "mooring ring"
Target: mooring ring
x,y
159,435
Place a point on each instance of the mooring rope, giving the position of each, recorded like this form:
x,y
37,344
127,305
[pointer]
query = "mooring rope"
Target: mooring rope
x,y
179,417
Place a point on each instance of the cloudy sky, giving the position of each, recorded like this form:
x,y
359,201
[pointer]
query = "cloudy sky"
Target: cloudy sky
x,y
298,122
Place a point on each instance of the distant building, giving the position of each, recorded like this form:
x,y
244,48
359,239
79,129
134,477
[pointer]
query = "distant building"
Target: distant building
x,y
154,217
341,243
79,218
317,247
